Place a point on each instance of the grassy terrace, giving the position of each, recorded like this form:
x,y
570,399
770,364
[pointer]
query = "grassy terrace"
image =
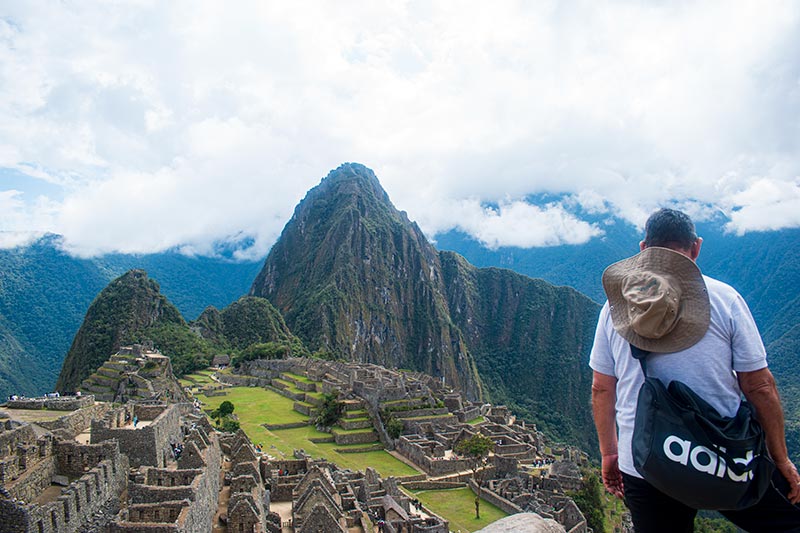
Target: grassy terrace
x,y
198,379
256,406
458,507
298,377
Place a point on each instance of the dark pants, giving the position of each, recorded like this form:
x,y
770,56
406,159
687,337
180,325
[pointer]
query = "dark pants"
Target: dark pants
x,y
653,511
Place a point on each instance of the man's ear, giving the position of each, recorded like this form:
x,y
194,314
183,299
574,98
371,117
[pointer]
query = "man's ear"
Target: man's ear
x,y
642,246
694,251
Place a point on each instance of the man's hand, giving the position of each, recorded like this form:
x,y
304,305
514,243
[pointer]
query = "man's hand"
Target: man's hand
x,y
612,477
760,390
789,471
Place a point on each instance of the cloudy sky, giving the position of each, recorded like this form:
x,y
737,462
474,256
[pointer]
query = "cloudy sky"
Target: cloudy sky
x,y
142,125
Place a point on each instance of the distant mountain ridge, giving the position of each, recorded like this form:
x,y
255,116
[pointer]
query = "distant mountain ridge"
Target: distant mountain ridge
x,y
45,293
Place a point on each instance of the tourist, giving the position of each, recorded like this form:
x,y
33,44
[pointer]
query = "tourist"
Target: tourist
x,y
135,420
719,357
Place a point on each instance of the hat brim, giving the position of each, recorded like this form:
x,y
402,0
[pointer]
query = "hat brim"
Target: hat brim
x,y
694,313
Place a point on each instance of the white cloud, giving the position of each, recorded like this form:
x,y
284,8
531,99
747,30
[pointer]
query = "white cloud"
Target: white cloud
x,y
766,205
180,124
509,223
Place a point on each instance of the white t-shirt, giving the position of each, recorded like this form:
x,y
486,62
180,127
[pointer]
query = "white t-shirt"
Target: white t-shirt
x,y
732,343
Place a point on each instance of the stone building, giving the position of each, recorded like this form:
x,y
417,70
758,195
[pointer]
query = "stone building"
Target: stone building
x,y
32,458
53,483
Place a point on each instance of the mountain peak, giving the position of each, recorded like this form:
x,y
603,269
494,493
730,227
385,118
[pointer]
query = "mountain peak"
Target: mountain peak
x,y
352,179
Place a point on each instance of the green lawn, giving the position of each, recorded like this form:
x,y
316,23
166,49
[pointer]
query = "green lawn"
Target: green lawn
x,y
458,507
476,420
287,440
255,406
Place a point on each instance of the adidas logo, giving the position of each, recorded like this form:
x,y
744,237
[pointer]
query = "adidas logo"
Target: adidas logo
x,y
704,459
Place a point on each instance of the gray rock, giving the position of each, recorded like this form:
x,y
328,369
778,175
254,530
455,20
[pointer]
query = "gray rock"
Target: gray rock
x,y
524,523
62,481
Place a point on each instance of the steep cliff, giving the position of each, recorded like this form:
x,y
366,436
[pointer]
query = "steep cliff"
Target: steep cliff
x,y
530,341
353,276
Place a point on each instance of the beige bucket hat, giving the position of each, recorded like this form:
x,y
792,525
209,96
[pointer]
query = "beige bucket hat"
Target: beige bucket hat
x,y
658,300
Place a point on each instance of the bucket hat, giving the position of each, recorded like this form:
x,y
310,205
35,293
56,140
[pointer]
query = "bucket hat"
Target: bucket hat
x,y
658,300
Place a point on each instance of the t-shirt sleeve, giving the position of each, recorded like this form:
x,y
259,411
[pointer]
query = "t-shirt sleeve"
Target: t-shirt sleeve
x,y
746,345
601,358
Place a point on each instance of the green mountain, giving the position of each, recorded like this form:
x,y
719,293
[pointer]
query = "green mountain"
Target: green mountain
x,y
45,293
354,277
530,340
247,321
131,309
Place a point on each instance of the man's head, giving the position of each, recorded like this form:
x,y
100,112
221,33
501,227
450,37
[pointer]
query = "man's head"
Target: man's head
x,y
669,228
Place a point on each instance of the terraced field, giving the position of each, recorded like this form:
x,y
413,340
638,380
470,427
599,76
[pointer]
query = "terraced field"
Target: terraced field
x,y
255,406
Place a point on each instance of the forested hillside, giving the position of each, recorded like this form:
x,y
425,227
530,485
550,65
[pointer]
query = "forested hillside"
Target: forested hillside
x,y
45,293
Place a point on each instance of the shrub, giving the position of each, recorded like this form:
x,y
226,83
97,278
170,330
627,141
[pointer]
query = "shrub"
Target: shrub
x,y
394,427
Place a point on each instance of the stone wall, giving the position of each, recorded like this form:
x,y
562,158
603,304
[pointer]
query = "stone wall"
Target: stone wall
x,y
145,445
73,459
145,411
198,486
355,438
494,499
77,421
432,485
422,456
73,509
62,403
468,413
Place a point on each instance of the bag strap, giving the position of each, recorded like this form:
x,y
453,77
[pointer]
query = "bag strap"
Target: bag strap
x,y
641,355
695,425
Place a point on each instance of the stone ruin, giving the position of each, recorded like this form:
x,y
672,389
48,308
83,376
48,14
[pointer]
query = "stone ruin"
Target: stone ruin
x,y
137,372
124,480
527,471
326,498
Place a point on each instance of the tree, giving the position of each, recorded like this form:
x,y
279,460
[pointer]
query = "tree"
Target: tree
x,y
476,448
394,427
225,409
330,410
222,415
589,500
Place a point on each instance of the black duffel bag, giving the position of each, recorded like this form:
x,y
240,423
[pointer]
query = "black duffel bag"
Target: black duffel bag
x,y
687,450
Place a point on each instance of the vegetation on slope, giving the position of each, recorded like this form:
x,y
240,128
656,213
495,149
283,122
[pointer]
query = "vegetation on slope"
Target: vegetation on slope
x,y
354,277
130,310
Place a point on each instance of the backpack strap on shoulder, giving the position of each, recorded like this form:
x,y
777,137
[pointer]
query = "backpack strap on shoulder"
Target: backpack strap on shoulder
x,y
641,355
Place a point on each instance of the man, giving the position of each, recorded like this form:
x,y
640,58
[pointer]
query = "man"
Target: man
x,y
714,347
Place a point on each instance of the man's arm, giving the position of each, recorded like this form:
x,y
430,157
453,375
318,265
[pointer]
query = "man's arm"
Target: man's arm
x,y
760,390
604,398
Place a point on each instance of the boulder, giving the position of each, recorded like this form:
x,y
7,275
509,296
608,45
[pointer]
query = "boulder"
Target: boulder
x,y
524,523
